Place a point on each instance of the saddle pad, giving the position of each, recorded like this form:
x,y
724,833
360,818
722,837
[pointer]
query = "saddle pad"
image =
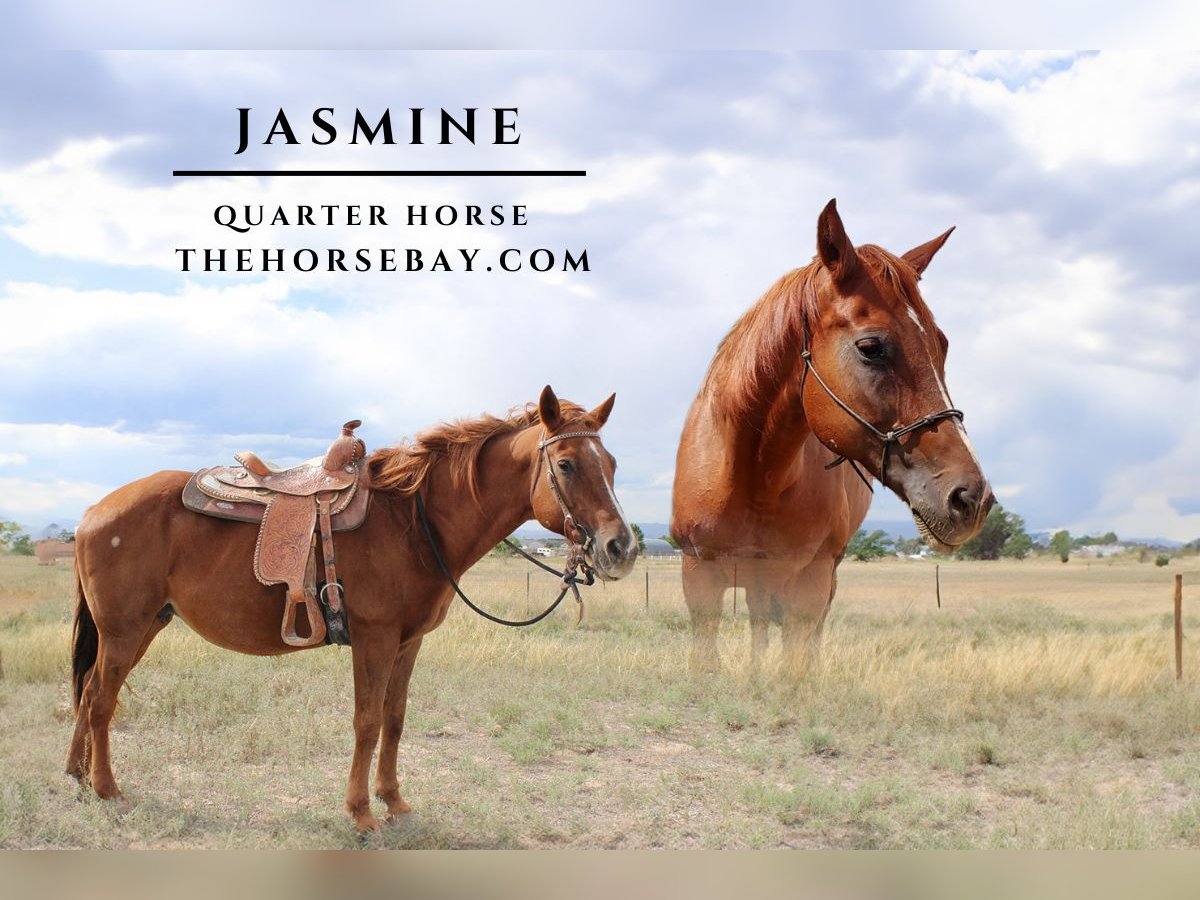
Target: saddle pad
x,y
349,510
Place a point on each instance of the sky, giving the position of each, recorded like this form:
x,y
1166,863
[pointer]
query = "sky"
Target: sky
x,y
1069,289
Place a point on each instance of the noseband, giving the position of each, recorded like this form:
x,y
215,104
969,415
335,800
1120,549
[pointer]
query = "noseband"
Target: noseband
x,y
886,438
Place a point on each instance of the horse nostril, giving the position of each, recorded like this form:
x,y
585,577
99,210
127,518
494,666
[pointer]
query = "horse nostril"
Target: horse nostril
x,y
614,549
963,502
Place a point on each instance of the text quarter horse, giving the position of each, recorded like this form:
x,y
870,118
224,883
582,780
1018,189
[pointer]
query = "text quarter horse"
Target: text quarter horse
x,y
839,361
142,557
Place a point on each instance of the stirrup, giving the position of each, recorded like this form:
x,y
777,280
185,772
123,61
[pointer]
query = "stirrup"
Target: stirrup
x,y
316,621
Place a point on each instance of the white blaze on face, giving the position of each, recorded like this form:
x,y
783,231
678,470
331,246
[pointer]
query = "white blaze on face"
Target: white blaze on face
x,y
593,445
912,314
962,433
946,402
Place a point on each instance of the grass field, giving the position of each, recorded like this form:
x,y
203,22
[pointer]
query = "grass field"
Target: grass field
x,y
1037,708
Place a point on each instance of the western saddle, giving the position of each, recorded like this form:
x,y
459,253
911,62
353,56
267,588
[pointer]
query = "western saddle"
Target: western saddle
x,y
292,506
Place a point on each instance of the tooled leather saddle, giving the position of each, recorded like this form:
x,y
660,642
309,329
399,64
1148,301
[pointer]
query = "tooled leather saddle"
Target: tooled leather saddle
x,y
291,507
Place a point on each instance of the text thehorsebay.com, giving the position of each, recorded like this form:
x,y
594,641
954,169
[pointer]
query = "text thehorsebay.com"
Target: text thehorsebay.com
x,y
242,221
245,219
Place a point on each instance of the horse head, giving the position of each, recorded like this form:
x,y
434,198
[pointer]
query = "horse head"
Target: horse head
x,y
874,387
572,491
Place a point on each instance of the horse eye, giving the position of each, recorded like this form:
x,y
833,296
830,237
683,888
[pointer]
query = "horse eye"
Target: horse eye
x,y
564,466
871,348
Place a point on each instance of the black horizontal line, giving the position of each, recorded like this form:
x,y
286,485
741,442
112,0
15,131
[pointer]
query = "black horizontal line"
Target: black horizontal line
x,y
380,173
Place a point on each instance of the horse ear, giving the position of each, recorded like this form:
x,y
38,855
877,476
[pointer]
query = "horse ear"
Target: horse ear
x,y
833,246
919,257
548,409
604,410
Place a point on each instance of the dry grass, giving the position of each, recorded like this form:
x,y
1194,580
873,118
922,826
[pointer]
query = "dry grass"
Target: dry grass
x,y
1038,708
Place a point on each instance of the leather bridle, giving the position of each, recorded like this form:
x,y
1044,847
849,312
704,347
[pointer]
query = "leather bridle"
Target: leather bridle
x,y
886,438
572,530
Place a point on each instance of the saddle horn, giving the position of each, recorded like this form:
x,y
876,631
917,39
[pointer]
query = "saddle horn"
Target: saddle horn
x,y
345,450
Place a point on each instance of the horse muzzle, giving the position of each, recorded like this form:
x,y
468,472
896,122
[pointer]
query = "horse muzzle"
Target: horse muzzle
x,y
611,552
956,516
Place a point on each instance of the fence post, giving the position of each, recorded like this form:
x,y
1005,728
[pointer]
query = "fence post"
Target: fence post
x,y
735,590
647,589
1178,627
937,582
527,590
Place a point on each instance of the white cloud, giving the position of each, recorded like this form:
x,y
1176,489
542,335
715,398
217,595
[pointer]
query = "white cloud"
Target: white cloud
x,y
1115,108
67,206
1070,356
35,502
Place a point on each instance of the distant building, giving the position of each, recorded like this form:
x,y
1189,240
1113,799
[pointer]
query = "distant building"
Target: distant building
x,y
1097,551
50,551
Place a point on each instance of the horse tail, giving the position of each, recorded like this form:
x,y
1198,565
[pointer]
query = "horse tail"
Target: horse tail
x,y
85,642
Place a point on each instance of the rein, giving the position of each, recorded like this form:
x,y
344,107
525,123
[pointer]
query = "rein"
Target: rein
x,y
886,438
571,530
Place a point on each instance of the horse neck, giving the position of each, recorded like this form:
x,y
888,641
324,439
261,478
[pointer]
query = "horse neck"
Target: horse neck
x,y
467,529
768,423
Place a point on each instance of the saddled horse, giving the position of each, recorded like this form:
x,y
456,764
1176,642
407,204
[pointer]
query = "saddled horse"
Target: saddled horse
x,y
840,361
143,558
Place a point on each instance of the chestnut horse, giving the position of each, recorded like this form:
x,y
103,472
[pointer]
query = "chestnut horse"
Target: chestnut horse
x,y
142,558
838,361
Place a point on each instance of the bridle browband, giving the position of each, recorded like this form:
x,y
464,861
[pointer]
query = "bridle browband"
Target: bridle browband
x,y
886,438
571,530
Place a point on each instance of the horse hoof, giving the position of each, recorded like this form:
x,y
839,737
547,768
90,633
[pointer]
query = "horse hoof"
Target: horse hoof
x,y
398,816
365,824
107,791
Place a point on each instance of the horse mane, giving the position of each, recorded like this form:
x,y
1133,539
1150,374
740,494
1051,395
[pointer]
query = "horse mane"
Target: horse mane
x,y
763,346
404,467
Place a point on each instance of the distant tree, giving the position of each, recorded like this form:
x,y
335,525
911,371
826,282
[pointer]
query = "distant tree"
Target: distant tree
x,y
908,546
66,536
1003,534
641,538
22,545
8,532
502,549
1089,540
670,540
1161,560
1019,544
866,547
1060,544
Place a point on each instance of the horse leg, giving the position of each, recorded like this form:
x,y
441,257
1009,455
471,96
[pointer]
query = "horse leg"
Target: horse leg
x,y
703,591
804,612
758,604
759,577
77,756
374,658
395,702
115,658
